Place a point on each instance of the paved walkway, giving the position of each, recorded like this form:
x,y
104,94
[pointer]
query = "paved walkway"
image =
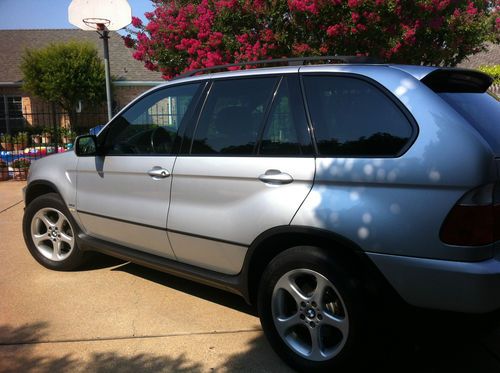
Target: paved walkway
x,y
10,193
116,316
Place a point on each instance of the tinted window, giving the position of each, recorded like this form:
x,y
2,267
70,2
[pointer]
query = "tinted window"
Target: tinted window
x,y
352,117
482,111
232,116
286,130
13,115
150,125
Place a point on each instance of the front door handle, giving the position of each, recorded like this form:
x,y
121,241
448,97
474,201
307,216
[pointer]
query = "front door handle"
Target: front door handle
x,y
276,177
158,172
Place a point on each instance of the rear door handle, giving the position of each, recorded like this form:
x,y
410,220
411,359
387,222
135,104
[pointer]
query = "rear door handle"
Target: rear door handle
x,y
158,172
276,177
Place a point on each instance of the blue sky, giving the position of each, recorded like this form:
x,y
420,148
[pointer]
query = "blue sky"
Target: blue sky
x,y
43,14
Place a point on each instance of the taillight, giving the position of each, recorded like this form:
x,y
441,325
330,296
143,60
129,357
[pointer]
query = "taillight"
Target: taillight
x,y
475,219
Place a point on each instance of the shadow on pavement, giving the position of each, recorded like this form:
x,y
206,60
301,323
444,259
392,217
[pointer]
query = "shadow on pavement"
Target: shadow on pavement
x,y
23,358
100,261
423,341
19,355
417,341
190,287
411,340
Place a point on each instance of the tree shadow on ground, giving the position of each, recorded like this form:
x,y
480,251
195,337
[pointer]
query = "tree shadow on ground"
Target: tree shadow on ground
x,y
198,290
415,341
406,339
19,355
423,341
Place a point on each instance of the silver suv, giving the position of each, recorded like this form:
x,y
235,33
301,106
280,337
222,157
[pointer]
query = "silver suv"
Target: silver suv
x,y
307,190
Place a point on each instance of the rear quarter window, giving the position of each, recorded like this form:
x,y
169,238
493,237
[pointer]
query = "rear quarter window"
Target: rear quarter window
x,y
354,118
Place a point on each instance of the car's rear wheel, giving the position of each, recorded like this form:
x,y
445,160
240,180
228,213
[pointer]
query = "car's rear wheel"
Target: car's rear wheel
x,y
50,233
311,309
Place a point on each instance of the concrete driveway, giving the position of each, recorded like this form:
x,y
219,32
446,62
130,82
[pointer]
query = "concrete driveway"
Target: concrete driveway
x,y
117,316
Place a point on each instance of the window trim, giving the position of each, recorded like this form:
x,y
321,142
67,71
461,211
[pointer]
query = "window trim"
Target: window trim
x,y
295,80
101,138
191,130
404,110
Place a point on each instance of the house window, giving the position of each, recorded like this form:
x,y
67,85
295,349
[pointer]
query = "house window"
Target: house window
x,y
11,114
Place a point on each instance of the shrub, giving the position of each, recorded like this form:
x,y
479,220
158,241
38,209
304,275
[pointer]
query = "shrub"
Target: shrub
x,y
187,35
21,163
64,74
6,138
21,137
493,71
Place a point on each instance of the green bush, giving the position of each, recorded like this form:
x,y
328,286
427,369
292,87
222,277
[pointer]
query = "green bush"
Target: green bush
x,y
21,163
64,74
21,137
493,71
5,138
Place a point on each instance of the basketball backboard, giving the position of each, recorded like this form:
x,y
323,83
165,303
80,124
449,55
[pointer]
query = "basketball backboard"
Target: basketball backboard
x,y
87,14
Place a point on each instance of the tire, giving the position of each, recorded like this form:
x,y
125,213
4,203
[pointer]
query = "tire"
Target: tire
x,y
50,234
306,293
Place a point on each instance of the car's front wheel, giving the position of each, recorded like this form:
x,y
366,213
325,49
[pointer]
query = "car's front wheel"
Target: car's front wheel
x,y
311,309
50,233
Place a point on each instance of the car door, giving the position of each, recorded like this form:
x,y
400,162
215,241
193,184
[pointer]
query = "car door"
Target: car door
x,y
123,195
247,169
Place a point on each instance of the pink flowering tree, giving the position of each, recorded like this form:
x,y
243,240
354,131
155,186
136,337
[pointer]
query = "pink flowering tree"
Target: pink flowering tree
x,y
184,35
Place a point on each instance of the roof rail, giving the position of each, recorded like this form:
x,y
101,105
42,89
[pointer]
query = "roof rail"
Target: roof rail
x,y
294,61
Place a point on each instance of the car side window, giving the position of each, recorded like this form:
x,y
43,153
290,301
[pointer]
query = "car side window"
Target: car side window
x,y
286,131
232,116
352,117
150,125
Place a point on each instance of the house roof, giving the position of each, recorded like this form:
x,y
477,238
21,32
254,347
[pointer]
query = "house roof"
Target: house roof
x,y
489,57
13,43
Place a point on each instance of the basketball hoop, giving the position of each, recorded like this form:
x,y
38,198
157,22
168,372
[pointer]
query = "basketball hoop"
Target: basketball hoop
x,y
102,16
98,24
92,15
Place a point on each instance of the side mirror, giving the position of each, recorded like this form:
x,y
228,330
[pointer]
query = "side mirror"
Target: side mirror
x,y
86,145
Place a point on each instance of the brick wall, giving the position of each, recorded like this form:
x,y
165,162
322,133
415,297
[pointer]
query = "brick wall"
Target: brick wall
x,y
124,95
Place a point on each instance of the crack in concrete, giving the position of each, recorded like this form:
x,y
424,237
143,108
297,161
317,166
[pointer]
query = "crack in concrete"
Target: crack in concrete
x,y
215,332
8,208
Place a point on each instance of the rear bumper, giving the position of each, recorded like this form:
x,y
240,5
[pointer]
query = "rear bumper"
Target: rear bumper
x,y
472,287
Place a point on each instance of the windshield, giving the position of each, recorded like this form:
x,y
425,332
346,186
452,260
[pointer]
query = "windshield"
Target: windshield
x,y
482,110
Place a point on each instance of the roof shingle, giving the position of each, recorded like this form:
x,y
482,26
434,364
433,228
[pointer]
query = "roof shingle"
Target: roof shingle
x,y
13,43
489,57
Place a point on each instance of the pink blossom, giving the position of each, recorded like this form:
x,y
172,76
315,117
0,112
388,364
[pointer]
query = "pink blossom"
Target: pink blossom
x,y
471,9
136,22
335,30
152,27
301,48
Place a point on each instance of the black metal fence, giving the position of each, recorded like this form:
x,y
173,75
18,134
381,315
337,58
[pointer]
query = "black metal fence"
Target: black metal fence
x,y
27,135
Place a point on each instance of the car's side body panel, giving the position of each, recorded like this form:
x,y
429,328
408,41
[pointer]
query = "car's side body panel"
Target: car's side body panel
x,y
381,203
118,201
60,171
222,198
